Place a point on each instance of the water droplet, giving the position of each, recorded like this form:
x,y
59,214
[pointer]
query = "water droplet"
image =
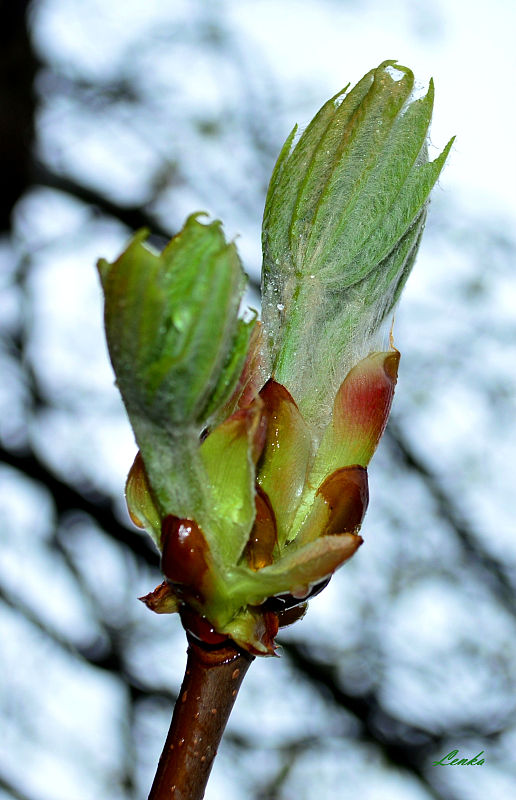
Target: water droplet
x,y
280,306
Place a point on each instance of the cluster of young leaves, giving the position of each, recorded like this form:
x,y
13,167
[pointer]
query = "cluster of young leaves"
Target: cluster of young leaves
x,y
255,437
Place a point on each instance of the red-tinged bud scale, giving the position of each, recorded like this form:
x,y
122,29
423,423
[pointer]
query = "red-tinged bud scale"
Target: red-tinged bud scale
x,y
162,600
264,537
346,494
286,452
200,627
363,403
184,556
253,374
291,615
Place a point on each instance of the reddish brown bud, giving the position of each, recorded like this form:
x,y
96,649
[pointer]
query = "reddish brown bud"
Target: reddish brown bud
x,y
291,615
200,627
184,553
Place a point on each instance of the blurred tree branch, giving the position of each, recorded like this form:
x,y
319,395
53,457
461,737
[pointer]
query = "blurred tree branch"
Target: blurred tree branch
x,y
66,498
12,790
133,217
100,654
17,106
490,570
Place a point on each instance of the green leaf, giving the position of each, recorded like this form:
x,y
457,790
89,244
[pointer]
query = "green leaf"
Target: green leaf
x,y
296,571
177,347
227,457
174,337
343,220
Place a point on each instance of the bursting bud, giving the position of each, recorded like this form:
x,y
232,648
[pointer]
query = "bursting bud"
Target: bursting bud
x,y
177,347
254,438
343,220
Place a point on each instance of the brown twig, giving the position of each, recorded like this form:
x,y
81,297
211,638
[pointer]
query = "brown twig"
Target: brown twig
x,y
210,686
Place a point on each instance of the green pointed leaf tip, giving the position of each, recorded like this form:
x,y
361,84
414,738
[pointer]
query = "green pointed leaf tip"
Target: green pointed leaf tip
x,y
175,340
342,224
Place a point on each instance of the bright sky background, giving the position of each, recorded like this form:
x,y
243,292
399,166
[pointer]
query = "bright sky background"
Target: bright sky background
x,y
468,48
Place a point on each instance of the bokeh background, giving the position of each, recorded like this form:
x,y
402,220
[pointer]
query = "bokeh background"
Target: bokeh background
x,y
126,113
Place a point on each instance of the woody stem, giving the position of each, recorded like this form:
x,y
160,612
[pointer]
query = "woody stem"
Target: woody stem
x,y
212,679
